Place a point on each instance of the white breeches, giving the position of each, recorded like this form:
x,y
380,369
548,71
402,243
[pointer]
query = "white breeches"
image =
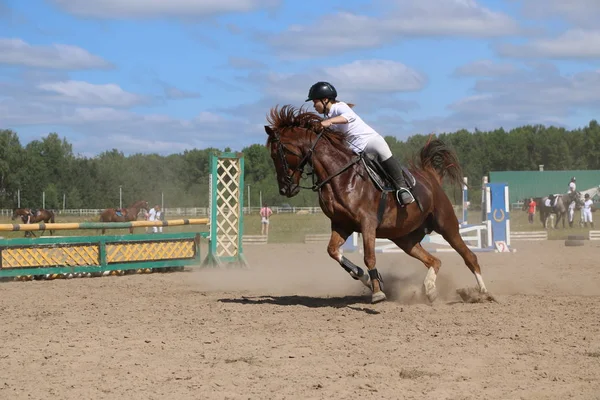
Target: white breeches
x,y
378,145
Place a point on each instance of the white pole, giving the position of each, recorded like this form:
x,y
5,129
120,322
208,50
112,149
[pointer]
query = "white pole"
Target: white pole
x,y
260,198
249,209
18,198
43,199
162,201
64,201
120,197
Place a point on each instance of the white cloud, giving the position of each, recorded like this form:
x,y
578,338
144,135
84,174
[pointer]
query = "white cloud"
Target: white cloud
x,y
85,93
171,92
377,76
427,18
245,63
580,13
575,43
160,8
536,95
56,56
484,68
96,129
353,81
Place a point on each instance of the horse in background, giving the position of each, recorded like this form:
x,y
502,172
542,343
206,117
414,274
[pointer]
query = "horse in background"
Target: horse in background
x,y
123,214
32,216
559,205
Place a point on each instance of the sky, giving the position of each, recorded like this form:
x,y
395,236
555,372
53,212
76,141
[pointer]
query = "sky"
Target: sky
x,y
156,76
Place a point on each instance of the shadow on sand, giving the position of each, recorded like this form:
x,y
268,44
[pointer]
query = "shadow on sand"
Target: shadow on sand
x,y
351,302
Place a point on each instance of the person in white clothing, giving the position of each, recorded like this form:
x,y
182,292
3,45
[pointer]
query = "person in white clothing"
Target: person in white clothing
x,y
587,211
572,191
571,213
362,138
152,217
157,217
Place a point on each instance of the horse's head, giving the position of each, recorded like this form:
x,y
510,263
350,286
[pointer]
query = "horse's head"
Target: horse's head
x,y
140,204
293,135
20,212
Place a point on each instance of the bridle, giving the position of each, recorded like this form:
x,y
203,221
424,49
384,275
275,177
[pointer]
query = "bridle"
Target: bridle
x,y
304,160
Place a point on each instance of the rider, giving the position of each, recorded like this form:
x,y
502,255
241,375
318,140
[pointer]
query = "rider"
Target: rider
x,y
31,212
572,192
340,117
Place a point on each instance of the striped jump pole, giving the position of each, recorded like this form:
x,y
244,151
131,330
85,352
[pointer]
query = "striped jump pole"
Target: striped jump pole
x,y
99,225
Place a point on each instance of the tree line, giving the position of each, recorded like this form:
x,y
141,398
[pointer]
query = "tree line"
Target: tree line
x,y
49,166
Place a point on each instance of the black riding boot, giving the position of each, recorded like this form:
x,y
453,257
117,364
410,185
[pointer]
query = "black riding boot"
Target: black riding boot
x,y
394,169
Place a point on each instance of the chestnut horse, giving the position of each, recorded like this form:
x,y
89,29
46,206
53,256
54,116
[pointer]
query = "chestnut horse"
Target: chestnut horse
x,y
123,214
29,216
350,199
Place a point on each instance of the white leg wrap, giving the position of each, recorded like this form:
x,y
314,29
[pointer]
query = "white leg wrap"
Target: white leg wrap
x,y
482,287
429,282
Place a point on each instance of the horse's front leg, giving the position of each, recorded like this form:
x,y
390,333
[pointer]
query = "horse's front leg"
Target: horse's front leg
x,y
369,238
338,237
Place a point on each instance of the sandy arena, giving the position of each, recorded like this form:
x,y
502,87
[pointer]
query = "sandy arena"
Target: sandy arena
x,y
296,326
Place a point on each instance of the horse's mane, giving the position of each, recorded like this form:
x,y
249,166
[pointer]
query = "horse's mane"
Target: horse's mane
x,y
290,117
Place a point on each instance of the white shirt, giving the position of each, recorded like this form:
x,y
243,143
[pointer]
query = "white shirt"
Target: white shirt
x,y
587,205
357,132
152,215
572,187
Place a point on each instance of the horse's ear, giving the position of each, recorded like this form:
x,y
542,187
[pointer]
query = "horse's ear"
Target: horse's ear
x,y
269,130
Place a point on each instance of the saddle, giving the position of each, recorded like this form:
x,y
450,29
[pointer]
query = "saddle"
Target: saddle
x,y
382,181
552,200
380,177
121,212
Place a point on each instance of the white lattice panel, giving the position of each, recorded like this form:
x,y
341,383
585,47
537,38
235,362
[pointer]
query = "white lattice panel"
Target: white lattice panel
x,y
228,206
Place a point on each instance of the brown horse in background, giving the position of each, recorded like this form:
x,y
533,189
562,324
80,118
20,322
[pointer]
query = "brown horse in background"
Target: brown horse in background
x,y
123,214
28,216
350,199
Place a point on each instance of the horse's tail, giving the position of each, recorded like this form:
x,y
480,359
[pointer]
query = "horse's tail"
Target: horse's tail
x,y
441,161
51,216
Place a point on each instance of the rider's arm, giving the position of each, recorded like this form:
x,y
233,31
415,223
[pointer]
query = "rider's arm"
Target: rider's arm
x,y
340,119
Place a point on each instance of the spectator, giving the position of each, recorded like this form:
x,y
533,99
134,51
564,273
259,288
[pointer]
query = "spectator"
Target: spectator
x,y
158,217
265,213
587,211
152,217
531,210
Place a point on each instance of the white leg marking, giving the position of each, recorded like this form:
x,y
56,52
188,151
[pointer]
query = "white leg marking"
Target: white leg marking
x,y
429,282
482,288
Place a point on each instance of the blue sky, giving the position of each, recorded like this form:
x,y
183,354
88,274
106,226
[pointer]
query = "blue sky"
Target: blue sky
x,y
166,76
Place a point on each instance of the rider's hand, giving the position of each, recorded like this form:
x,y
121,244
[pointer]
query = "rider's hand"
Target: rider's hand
x,y
326,123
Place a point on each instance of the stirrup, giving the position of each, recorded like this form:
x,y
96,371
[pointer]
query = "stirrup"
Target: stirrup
x,y
399,196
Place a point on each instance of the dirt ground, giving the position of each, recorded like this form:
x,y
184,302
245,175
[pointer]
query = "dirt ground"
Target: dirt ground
x,y
296,326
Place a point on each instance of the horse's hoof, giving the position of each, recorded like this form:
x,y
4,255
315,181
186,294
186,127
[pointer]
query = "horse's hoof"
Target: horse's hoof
x,y
432,295
377,297
473,295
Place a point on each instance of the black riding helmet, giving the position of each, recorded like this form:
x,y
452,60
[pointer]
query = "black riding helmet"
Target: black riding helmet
x,y
322,90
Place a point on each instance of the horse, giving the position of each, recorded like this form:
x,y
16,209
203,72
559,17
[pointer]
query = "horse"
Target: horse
x,y
29,216
559,206
123,214
353,203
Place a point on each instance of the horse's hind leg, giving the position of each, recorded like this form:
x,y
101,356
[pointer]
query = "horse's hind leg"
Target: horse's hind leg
x,y
412,246
338,237
456,241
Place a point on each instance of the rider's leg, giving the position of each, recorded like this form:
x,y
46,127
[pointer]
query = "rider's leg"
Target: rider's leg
x,y
379,146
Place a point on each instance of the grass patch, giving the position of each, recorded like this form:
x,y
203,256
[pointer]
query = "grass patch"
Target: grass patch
x,y
291,228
